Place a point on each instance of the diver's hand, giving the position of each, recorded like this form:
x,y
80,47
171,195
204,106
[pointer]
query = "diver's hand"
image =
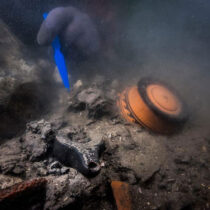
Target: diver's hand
x,y
73,27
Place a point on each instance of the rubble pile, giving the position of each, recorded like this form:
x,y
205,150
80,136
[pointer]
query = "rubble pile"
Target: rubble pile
x,y
88,148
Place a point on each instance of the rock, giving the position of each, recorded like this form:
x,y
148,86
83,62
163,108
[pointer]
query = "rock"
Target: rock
x,y
62,191
93,100
38,139
41,127
45,162
64,170
34,146
12,158
8,181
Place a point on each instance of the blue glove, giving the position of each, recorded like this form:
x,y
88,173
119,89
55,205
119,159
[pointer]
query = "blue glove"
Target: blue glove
x,y
73,27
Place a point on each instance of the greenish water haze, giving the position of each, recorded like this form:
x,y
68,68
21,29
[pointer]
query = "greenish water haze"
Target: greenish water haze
x,y
169,40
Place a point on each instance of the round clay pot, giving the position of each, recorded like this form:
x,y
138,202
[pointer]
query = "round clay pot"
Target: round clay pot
x,y
154,105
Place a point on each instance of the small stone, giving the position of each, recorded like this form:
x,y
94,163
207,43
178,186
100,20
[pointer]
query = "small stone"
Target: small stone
x,y
140,191
78,84
171,180
41,122
64,170
103,164
42,172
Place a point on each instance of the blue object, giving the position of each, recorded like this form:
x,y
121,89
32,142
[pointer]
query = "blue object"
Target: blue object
x,y
60,60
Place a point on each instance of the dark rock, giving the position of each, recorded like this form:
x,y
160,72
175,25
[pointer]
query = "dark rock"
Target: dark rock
x,y
41,127
93,100
45,162
50,160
